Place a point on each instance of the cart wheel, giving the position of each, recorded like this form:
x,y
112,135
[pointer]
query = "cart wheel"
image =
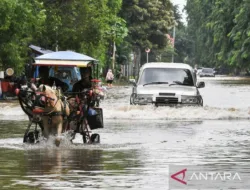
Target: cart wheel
x,y
36,136
83,133
29,137
84,138
72,135
95,138
25,138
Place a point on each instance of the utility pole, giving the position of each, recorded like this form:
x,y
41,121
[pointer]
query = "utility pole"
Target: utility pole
x,y
173,44
113,57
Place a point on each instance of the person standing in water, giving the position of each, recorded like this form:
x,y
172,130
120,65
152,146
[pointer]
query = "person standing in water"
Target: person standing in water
x,y
109,78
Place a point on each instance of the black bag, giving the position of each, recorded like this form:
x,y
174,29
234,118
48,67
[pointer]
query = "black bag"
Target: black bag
x,y
96,121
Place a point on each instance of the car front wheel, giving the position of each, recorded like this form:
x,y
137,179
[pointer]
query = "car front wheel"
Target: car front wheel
x,y
201,102
132,98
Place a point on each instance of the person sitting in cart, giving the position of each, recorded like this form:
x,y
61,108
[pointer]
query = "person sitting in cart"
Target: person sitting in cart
x,y
85,82
80,86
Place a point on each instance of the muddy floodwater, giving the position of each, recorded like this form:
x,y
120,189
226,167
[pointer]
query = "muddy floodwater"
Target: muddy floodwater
x,y
138,145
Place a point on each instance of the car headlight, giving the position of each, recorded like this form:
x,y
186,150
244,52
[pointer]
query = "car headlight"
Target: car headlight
x,y
147,98
189,99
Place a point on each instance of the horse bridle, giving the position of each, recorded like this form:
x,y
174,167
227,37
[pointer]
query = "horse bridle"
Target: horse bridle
x,y
42,97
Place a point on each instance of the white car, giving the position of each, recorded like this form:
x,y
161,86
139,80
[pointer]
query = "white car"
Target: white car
x,y
207,72
167,84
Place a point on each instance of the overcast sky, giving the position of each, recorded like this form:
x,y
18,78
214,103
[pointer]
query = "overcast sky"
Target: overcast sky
x,y
181,4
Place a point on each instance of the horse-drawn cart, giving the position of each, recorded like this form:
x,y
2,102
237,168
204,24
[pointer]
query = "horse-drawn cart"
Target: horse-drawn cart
x,y
54,109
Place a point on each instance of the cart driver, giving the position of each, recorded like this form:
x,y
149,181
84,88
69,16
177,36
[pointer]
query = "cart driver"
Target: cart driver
x,y
85,81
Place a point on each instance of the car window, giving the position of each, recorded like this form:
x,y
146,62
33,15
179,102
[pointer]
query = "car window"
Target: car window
x,y
168,75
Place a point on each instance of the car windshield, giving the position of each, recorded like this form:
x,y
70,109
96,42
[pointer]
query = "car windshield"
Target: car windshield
x,y
207,70
169,76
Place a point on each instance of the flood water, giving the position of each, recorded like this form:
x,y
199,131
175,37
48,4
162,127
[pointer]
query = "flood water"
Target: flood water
x,y
138,144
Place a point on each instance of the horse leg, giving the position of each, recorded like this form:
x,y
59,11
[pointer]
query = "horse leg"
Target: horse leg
x,y
65,126
46,130
59,133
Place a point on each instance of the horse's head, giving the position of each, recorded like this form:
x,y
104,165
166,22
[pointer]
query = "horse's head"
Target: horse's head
x,y
47,95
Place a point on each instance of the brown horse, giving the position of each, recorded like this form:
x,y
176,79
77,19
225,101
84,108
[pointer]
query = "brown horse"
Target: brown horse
x,y
55,112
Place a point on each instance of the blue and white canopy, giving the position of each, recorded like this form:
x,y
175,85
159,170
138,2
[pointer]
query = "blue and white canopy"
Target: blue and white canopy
x,y
64,58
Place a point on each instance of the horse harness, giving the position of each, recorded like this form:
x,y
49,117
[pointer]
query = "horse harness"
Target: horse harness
x,y
40,97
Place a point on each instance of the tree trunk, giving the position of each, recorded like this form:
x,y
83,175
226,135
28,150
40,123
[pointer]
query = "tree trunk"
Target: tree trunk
x,y
137,61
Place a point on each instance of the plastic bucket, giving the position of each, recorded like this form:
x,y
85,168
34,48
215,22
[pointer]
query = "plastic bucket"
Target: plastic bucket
x,y
5,86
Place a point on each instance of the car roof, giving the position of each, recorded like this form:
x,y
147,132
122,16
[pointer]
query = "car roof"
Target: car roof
x,y
166,65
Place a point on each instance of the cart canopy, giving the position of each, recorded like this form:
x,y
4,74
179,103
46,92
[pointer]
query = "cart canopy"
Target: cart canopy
x,y
64,58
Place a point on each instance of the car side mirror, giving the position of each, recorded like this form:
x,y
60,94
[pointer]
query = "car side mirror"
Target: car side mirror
x,y
200,84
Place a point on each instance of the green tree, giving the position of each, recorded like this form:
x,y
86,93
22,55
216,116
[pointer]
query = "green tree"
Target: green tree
x,y
20,20
220,32
84,26
148,23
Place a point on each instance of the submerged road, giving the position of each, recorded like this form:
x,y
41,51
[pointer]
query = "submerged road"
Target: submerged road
x,y
141,146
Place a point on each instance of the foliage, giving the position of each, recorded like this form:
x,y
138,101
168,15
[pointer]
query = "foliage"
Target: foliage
x,y
148,23
220,32
183,45
20,20
84,26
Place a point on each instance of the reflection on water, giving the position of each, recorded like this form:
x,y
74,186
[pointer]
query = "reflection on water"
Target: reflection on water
x,y
138,144
61,161
66,168
132,155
